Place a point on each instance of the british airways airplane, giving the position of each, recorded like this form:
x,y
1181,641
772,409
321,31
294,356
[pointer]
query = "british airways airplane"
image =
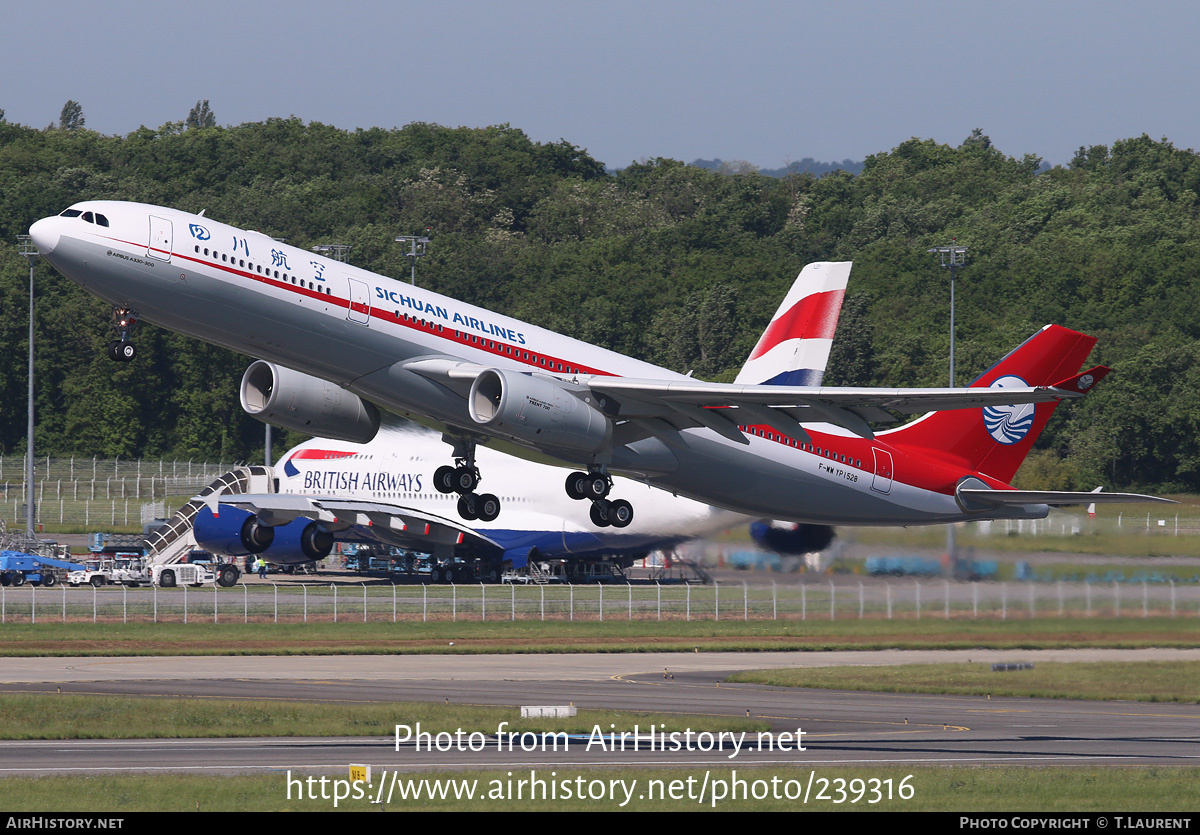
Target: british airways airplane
x,y
383,492
338,342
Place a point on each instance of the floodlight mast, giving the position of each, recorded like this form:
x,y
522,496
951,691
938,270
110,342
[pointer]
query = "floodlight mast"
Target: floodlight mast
x,y
338,252
419,247
30,252
952,257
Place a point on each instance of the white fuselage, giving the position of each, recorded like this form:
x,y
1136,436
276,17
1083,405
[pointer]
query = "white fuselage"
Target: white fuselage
x,y
397,468
250,293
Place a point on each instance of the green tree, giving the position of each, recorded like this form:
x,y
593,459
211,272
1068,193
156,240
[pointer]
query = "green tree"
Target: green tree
x,y
201,116
71,117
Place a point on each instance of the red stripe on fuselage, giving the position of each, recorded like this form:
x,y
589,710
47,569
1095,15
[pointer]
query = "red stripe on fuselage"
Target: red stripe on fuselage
x,y
536,359
321,454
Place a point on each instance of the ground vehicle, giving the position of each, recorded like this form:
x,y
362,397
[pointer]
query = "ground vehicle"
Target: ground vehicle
x,y
18,567
188,574
123,570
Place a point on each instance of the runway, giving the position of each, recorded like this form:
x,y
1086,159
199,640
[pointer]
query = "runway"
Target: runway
x,y
840,728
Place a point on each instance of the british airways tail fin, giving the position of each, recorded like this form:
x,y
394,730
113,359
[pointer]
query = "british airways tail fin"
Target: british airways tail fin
x,y
794,349
995,440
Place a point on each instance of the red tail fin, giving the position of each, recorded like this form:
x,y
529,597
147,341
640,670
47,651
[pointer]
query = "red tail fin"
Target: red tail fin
x,y
995,440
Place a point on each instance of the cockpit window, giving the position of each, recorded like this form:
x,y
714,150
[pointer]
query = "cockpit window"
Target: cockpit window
x,y
70,213
101,220
89,217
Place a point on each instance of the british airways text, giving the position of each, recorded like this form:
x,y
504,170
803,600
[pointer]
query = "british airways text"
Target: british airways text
x,y
355,480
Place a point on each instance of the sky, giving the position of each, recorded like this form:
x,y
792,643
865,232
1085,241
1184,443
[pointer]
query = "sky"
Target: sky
x,y
769,82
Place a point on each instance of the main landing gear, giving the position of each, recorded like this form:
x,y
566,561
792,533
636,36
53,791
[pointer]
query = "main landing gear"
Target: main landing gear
x,y
122,349
595,486
463,478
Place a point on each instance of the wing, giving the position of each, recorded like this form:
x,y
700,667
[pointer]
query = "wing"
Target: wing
x,y
722,407
351,520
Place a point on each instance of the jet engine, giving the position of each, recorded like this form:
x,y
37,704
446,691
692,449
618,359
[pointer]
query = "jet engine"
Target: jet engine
x,y
307,404
539,411
237,533
789,538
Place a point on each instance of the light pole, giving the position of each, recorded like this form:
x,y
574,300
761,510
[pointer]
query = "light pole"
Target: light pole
x,y
30,253
338,252
419,246
952,258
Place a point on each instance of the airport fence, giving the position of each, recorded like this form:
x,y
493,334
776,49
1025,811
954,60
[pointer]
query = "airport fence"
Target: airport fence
x,y
264,602
97,491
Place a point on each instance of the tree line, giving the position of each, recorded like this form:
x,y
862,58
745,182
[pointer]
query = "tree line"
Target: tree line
x,y
673,263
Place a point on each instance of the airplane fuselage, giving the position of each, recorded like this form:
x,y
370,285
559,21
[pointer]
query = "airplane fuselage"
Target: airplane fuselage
x,y
364,332
397,468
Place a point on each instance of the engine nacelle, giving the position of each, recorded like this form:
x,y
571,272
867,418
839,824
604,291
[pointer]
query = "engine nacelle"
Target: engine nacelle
x,y
237,533
307,404
791,538
539,411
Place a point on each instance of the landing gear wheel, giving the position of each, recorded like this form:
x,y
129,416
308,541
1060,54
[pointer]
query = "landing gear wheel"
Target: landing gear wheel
x,y
466,479
620,513
596,486
600,514
443,479
125,351
487,507
575,482
228,576
468,506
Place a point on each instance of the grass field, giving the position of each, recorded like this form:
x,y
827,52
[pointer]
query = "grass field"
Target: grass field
x,y
69,716
967,789
1145,681
114,639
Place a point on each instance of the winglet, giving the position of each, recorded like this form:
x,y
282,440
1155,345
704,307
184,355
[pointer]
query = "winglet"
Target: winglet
x,y
1083,382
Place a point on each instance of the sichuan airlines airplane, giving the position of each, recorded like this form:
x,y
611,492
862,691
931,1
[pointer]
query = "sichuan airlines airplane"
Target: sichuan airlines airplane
x,y
337,342
382,492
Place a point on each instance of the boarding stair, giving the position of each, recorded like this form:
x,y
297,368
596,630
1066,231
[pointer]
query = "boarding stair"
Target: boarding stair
x,y
172,541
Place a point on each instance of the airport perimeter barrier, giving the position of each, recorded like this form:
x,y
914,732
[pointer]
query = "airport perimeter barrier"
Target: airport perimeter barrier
x,y
95,491
265,602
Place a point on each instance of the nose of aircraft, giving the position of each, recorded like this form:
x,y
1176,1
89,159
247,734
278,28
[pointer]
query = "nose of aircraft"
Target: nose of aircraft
x,y
45,234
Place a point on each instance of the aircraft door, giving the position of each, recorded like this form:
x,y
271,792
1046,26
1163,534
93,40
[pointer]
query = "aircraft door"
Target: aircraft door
x,y
882,482
160,239
360,303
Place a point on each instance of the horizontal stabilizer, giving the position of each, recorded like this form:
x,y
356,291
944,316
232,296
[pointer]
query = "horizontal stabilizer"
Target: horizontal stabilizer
x,y
974,498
